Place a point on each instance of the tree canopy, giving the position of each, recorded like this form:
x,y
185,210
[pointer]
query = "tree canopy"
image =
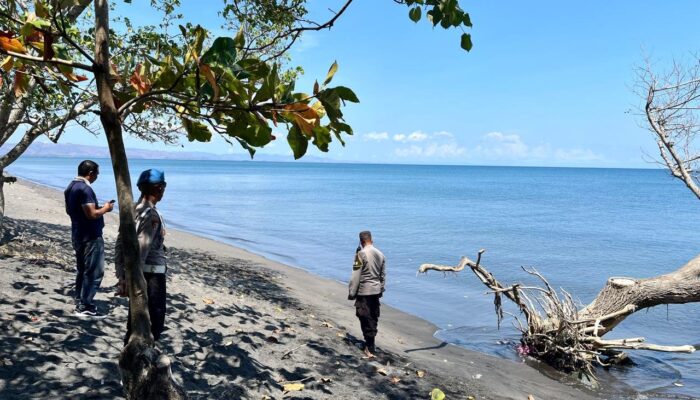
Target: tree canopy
x,y
177,75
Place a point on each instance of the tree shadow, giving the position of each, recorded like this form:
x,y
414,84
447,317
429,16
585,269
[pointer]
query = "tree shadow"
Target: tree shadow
x,y
248,343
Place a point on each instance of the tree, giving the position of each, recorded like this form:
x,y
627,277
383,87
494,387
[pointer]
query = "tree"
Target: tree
x,y
21,105
570,337
231,86
672,110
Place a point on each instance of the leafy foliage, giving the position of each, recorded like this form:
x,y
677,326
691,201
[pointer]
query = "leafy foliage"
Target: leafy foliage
x,y
169,80
447,13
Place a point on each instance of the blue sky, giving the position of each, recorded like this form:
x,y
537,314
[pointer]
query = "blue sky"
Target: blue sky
x,y
547,83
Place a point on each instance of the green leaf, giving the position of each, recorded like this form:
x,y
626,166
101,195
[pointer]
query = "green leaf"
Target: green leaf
x,y
331,72
466,20
165,77
267,90
437,394
331,103
341,127
435,16
445,23
414,14
298,142
322,138
466,43
254,69
221,54
239,40
346,93
235,87
251,131
196,130
247,147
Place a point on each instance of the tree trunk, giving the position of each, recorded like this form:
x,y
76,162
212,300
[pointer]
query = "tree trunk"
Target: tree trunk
x,y
145,372
3,179
2,204
678,287
571,339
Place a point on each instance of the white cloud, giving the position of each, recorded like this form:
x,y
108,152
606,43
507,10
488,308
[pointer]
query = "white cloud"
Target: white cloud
x,y
448,150
417,136
509,147
410,151
577,155
443,134
376,136
308,41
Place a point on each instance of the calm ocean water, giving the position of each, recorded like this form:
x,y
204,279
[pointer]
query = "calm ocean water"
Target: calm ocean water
x,y
576,226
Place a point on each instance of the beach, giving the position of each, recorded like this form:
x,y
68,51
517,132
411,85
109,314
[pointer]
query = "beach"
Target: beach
x,y
238,326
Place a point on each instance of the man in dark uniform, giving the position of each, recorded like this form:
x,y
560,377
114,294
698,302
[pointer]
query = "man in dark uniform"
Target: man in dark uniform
x,y
87,222
366,287
151,234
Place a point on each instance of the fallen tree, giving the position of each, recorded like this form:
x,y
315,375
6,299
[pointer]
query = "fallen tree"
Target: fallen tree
x,y
569,336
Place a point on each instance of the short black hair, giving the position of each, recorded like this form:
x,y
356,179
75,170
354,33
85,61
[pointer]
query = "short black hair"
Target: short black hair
x,y
86,167
365,236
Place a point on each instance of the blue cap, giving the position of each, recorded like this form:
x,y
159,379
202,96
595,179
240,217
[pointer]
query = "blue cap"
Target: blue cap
x,y
151,177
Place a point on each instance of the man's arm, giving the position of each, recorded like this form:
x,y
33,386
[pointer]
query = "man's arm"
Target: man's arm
x,y
92,212
354,285
382,273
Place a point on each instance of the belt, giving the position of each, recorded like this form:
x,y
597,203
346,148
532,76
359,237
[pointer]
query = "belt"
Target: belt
x,y
154,269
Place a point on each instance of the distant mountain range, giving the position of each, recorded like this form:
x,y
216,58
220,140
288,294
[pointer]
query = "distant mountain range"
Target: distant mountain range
x,y
70,150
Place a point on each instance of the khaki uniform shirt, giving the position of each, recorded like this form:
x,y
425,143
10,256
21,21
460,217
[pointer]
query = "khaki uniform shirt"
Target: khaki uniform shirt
x,y
368,274
151,235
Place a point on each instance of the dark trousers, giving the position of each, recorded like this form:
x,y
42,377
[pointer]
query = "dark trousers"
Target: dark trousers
x,y
156,305
367,311
90,265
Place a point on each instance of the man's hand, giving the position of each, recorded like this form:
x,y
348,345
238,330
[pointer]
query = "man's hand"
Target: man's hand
x,y
109,206
351,297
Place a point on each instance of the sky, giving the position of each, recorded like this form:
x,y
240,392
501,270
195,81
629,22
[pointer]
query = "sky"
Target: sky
x,y
547,83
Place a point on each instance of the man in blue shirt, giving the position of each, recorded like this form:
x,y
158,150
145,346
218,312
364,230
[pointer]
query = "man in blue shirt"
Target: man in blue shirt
x,y
87,222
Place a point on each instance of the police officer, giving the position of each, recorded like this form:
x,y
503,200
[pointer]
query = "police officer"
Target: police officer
x,y
151,233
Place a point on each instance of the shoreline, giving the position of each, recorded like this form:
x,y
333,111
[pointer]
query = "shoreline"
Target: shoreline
x,y
399,333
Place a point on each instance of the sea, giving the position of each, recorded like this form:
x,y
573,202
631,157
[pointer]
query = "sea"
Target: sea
x,y
576,226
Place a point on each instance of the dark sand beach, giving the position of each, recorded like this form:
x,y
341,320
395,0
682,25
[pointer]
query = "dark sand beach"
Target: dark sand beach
x,y
238,326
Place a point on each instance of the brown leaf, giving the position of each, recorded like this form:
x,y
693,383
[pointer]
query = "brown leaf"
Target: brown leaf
x,y
211,78
74,78
208,300
21,83
382,371
139,81
394,380
305,117
326,324
48,47
420,373
7,64
10,43
293,387
35,36
530,397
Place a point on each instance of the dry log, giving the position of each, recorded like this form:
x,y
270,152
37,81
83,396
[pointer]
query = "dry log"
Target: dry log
x,y
569,338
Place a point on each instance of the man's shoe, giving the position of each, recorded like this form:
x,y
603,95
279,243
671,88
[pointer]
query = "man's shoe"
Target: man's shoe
x,y
91,312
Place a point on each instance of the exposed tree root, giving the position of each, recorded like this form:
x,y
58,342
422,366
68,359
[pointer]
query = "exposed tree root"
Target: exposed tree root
x,y
569,338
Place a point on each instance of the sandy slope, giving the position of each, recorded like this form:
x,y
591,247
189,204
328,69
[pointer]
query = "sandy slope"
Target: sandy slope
x,y
269,324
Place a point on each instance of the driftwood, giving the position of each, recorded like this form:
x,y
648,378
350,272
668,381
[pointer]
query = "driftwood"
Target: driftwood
x,y
557,331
